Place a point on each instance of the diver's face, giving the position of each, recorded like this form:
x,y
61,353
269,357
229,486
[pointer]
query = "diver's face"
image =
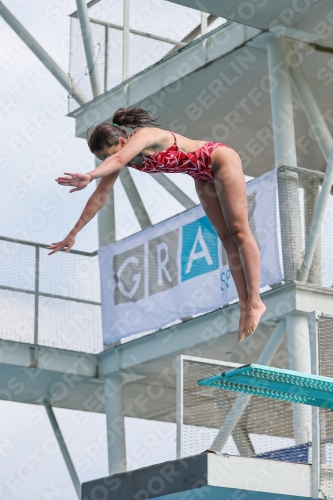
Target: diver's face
x,y
107,151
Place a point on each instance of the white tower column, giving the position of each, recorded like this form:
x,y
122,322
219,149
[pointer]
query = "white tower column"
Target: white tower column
x,y
285,154
281,103
299,353
115,423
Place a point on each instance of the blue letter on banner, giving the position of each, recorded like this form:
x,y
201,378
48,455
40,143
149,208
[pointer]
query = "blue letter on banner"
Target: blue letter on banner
x,y
199,249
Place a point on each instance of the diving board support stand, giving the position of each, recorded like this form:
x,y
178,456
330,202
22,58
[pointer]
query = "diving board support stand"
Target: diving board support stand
x,y
64,450
243,400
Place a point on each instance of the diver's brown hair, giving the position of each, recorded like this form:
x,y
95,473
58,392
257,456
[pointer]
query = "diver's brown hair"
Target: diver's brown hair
x,y
107,134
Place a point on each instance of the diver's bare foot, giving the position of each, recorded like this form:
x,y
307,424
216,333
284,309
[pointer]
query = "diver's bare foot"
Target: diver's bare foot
x,y
254,313
242,319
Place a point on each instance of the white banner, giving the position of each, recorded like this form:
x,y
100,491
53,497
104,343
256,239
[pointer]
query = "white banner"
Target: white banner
x,y
178,267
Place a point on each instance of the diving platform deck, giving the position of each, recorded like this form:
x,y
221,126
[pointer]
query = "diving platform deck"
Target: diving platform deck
x,y
206,477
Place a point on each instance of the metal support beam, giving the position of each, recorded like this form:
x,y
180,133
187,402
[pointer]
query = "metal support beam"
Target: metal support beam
x,y
243,400
311,193
240,436
82,11
318,217
204,23
37,252
106,218
181,358
43,56
281,103
134,198
315,467
114,408
107,222
300,360
194,33
310,106
126,31
179,406
106,57
291,226
63,448
138,32
174,190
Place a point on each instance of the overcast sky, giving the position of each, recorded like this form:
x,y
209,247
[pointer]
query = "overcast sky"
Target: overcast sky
x,y
37,143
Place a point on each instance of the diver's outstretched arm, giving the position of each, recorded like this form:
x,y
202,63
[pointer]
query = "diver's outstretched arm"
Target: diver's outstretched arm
x,y
114,163
96,201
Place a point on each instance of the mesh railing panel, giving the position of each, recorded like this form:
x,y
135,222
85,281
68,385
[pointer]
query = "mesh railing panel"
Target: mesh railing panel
x,y
165,18
144,52
155,17
63,310
17,265
78,63
69,325
298,193
325,343
17,316
69,275
265,429
114,68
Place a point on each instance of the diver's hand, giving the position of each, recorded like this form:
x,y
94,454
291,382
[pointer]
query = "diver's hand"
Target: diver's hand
x,y
79,181
66,242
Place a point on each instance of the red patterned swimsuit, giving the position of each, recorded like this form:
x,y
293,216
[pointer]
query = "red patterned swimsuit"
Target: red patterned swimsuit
x,y
173,160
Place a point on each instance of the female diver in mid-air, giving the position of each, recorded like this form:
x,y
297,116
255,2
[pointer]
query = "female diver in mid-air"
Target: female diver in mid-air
x,y
219,182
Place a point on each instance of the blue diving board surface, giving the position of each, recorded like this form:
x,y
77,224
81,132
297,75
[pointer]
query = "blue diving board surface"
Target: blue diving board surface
x,y
275,383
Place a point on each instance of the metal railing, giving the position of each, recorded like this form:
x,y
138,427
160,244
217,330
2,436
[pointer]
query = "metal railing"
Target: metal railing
x,y
27,273
298,191
202,412
124,43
